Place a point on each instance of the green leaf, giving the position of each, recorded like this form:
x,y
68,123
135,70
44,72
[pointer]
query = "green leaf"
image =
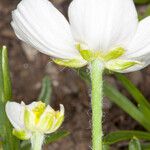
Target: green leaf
x,y
119,136
143,104
131,88
9,142
106,147
25,145
2,99
141,1
56,136
46,91
146,146
145,111
6,75
147,12
82,72
135,144
124,103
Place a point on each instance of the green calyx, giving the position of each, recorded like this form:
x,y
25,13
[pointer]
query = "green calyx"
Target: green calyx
x,y
112,59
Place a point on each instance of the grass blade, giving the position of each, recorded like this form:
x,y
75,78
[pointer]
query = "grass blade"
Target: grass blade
x,y
131,88
146,146
56,136
6,75
106,147
141,1
119,136
46,91
124,103
9,142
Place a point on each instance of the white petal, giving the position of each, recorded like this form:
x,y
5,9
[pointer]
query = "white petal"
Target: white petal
x,y
15,113
139,47
62,109
48,110
140,44
103,24
32,105
40,24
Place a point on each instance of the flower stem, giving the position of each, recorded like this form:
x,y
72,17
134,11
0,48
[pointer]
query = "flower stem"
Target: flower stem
x,y
97,84
37,141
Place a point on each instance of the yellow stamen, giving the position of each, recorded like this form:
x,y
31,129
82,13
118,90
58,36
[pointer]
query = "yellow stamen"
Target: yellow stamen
x,y
38,111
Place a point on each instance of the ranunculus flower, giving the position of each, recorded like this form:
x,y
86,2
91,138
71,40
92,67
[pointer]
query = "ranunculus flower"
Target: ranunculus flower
x,y
33,118
99,29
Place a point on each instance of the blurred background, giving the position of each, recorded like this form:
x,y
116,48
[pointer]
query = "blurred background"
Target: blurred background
x,y
28,67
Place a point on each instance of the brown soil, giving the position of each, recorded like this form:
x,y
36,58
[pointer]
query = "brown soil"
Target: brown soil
x,y
27,70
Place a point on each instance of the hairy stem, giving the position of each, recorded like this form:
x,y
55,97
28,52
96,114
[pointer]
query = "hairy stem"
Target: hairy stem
x,y
37,141
97,90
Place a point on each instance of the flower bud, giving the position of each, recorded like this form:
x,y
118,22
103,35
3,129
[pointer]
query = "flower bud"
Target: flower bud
x,y
36,117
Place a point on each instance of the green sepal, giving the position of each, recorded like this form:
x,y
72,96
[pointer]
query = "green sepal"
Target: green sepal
x,y
73,63
87,55
22,135
120,64
114,54
90,55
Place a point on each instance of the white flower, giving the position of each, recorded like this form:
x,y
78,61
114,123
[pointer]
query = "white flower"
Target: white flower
x,y
99,29
36,117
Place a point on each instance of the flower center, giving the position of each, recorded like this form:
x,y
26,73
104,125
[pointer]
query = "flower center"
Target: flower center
x,y
38,110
